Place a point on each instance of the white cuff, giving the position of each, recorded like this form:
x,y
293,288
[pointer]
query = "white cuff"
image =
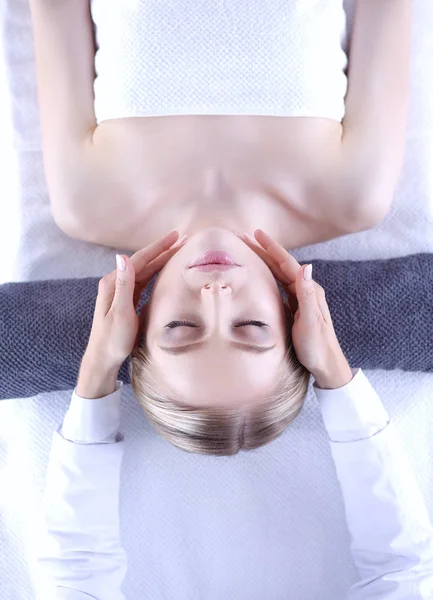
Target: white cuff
x,y
93,420
352,412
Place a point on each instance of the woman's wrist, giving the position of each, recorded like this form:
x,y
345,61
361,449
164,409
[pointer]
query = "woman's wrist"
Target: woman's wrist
x,y
338,375
96,379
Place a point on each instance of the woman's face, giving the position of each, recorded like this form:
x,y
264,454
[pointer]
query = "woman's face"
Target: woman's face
x,y
214,358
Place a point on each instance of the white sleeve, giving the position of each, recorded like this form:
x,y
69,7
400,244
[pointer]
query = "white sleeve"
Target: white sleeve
x,y
81,556
391,533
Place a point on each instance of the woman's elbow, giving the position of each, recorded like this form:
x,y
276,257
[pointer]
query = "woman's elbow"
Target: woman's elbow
x,y
371,208
67,216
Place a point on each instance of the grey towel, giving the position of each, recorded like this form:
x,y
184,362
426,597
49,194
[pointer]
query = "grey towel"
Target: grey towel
x,y
381,309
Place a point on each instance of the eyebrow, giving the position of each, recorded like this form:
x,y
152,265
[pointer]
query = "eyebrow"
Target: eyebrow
x,y
251,348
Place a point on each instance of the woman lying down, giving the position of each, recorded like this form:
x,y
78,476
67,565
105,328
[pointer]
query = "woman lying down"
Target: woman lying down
x,y
214,123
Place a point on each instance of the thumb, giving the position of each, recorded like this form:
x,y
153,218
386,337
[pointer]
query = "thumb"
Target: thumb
x,y
125,284
308,306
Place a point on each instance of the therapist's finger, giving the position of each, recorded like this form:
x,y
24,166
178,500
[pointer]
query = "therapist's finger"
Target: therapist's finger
x,y
285,261
145,255
143,279
251,242
145,271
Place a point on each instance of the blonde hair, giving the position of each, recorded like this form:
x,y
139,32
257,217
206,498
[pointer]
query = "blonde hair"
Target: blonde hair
x,y
216,430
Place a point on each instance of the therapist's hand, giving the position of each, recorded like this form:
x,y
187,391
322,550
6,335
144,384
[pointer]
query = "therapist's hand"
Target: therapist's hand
x,y
313,335
115,321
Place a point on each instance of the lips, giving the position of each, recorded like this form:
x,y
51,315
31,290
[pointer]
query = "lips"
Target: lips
x,y
217,259
214,267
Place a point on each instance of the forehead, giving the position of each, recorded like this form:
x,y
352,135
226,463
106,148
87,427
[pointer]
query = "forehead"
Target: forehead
x,y
226,378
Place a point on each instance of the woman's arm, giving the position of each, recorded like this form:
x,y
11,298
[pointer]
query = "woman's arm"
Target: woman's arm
x,y
377,101
64,49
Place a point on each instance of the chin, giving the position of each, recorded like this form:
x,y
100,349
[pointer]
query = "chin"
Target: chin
x,y
211,238
217,238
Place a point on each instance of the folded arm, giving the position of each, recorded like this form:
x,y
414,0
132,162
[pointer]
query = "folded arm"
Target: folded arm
x,y
64,50
374,127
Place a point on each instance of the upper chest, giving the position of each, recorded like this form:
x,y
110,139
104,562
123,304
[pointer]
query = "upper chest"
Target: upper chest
x,y
268,170
154,153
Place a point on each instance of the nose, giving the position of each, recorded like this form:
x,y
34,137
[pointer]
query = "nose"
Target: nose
x,y
216,287
215,306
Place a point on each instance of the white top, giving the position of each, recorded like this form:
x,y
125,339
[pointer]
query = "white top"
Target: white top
x,y
255,57
391,535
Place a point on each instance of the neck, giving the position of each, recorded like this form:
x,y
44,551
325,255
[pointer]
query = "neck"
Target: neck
x,y
218,206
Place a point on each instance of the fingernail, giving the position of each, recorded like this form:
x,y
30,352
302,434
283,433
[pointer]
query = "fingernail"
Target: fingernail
x,y
120,262
180,242
249,237
308,272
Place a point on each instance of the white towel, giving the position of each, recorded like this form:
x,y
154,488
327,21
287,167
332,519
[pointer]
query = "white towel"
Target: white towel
x,y
187,520
280,58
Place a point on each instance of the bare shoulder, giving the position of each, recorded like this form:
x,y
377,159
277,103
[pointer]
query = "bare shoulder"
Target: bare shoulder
x,y
298,234
92,195
345,194
324,194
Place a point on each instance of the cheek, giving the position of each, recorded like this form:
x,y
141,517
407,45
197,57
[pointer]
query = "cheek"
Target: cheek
x,y
278,307
168,295
270,296
166,283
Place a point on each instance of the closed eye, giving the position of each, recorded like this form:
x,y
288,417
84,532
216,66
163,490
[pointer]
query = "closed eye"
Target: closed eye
x,y
174,324
253,323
